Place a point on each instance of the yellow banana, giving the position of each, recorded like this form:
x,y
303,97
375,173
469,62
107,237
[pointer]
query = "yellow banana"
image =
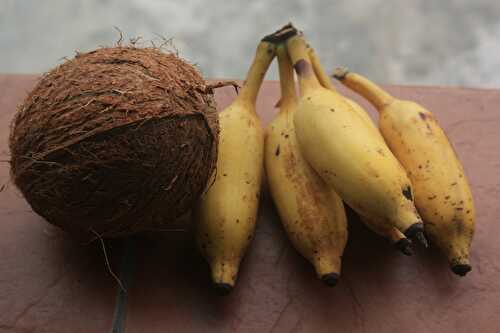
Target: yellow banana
x,y
442,193
347,154
311,212
226,214
392,234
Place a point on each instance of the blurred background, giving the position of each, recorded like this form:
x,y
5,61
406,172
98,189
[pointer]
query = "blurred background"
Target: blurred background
x,y
428,42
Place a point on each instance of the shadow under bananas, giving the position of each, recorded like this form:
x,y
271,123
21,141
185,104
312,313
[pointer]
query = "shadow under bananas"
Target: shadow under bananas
x,y
277,288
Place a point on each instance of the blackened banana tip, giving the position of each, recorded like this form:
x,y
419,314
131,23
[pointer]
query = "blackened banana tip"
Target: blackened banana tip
x,y
461,269
340,73
404,245
416,232
421,239
223,288
414,229
330,279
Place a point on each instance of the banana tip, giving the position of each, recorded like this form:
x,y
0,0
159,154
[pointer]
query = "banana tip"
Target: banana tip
x,y
404,245
340,73
461,269
223,288
330,279
416,232
421,239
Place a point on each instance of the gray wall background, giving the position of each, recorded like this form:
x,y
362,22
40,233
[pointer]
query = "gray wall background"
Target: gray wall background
x,y
452,42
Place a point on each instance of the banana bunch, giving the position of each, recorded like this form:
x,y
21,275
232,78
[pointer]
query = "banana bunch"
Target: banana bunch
x,y
442,193
321,150
226,214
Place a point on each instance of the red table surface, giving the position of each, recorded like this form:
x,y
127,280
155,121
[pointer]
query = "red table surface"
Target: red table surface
x,y
50,283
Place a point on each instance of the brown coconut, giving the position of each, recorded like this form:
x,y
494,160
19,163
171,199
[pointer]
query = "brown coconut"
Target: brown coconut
x,y
115,141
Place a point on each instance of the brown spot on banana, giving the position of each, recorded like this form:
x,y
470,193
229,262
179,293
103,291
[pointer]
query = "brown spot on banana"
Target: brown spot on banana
x,y
303,68
407,193
429,128
426,118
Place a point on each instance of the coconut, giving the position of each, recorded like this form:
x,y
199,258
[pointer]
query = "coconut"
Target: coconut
x,y
115,141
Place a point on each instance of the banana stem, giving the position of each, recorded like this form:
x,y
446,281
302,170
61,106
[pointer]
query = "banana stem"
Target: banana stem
x,y
297,50
366,88
210,87
263,57
323,78
287,83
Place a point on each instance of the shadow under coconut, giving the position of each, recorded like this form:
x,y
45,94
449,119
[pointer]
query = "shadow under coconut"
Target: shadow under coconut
x,y
55,281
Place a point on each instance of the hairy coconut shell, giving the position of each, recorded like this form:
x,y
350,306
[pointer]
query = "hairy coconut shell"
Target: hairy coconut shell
x,y
115,141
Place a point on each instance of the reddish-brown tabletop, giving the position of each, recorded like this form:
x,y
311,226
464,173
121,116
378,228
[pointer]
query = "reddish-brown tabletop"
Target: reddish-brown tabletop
x,y
50,283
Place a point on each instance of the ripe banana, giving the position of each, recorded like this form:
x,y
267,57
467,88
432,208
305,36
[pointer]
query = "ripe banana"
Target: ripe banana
x,y
392,234
326,82
348,155
312,213
442,193
226,214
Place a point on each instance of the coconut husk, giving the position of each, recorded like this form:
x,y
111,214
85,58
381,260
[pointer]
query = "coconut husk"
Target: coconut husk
x,y
115,141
